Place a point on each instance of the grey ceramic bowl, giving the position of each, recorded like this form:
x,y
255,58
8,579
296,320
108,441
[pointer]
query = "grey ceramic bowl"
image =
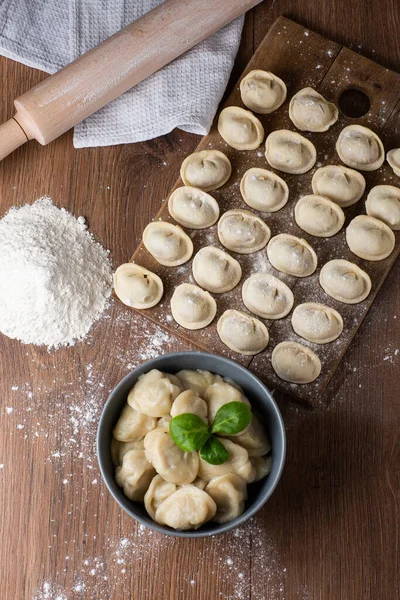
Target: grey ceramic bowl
x,y
262,402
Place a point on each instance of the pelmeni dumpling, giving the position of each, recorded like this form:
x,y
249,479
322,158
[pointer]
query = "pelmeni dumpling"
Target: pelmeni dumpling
x,y
192,307
238,462
189,402
318,216
193,208
317,323
267,296
292,255
360,148
135,474
197,381
164,422
172,463
187,508
383,203
242,232
215,270
262,91
158,491
242,333
264,190
133,425
345,281
295,363
393,158
370,238
240,128
167,243
290,152
218,394
253,438
340,184
154,392
309,111
229,493
207,170
119,449
261,466
137,287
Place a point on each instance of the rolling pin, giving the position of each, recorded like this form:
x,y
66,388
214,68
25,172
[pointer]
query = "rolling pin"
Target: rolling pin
x,y
64,99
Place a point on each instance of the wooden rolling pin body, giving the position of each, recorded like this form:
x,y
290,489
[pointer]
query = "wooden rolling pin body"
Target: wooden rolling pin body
x,y
107,71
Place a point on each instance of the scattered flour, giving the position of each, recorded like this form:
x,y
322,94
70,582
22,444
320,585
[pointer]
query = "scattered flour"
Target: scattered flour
x,y
55,279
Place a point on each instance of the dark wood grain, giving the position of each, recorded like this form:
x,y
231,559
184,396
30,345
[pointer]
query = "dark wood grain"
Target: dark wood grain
x,y
302,58
331,530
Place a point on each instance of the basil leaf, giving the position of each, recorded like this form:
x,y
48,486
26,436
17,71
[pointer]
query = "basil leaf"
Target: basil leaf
x,y
214,452
189,432
231,418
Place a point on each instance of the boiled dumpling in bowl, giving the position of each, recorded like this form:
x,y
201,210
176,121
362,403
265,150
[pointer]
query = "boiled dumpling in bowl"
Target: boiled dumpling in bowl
x,y
189,402
197,381
172,463
229,493
135,474
154,392
133,425
220,393
238,462
187,508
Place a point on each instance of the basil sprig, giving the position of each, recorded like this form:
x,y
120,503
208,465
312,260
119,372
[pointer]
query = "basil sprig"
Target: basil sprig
x,y
191,433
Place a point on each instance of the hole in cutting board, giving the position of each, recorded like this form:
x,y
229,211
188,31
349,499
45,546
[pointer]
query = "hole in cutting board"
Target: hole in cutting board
x,y
354,103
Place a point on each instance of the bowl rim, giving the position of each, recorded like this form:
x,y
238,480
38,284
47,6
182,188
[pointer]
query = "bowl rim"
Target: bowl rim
x,y
124,502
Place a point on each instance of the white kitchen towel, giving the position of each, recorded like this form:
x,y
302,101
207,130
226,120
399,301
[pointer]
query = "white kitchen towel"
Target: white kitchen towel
x,y
48,34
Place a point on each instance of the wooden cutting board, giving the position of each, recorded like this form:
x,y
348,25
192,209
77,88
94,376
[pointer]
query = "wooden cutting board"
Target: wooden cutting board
x,y
301,58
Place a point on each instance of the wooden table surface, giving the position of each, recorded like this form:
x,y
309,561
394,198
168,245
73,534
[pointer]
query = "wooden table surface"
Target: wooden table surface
x,y
330,531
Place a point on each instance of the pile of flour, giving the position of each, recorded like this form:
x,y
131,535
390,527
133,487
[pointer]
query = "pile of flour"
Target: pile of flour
x,y
55,279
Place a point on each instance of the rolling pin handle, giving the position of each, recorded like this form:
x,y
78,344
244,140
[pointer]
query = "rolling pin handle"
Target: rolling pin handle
x,y
12,136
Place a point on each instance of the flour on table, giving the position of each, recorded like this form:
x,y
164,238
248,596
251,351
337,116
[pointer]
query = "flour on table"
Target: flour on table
x,y
55,279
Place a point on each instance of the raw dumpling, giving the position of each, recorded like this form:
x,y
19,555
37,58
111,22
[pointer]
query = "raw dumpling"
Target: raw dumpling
x,y
261,466
242,333
309,111
193,208
240,128
360,148
340,184
135,474
318,216
292,255
317,323
393,158
197,381
132,425
207,170
370,238
167,243
262,91
229,493
242,232
344,281
137,287
189,402
238,462
267,296
264,190
383,203
290,152
154,392
253,438
158,491
187,508
192,307
172,463
295,363
215,270
219,394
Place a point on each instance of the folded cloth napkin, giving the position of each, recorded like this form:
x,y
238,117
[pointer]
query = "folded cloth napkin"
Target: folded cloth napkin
x,y
47,34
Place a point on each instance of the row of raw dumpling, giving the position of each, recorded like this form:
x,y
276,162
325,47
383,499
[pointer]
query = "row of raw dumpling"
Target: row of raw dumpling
x,y
151,468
